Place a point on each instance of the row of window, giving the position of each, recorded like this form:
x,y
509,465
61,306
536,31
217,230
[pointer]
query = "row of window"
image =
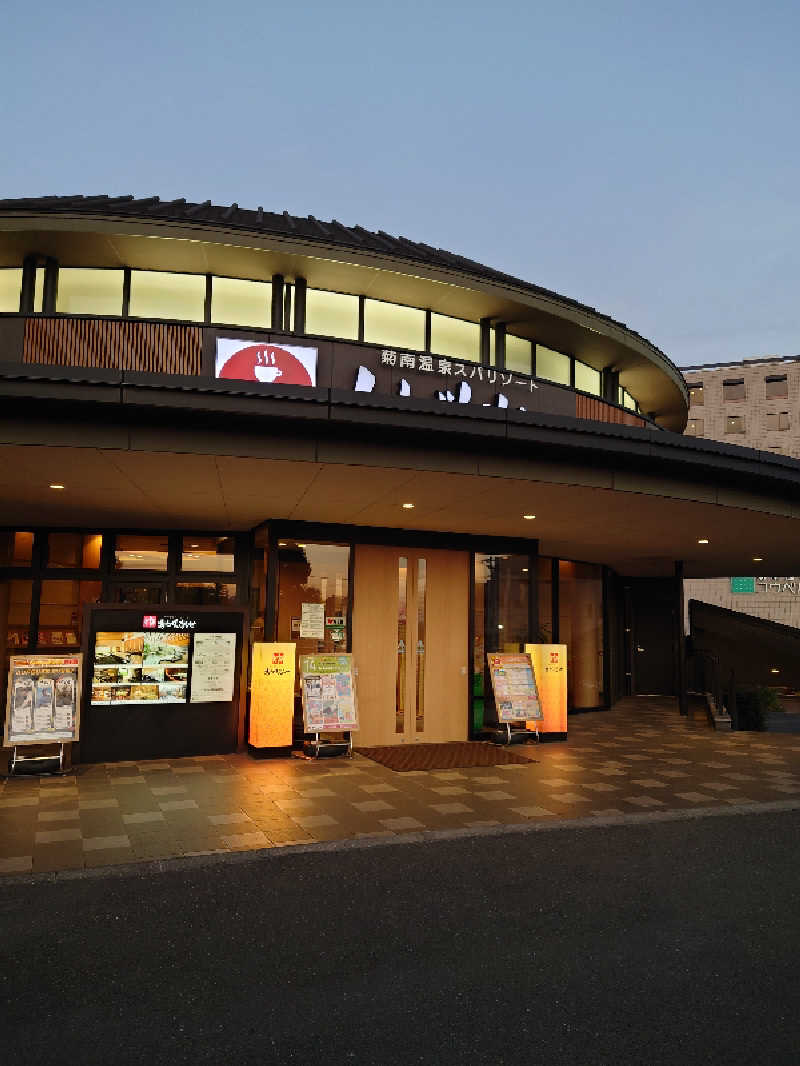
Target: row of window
x,y
132,551
775,420
776,387
183,297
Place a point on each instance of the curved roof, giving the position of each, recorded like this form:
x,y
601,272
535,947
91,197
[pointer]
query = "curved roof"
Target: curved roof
x,y
310,232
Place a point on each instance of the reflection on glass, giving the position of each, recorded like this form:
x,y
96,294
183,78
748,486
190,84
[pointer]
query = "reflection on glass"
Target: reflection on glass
x,y
77,550
16,597
137,594
421,591
61,611
402,618
137,552
500,620
544,579
580,621
205,592
208,553
16,549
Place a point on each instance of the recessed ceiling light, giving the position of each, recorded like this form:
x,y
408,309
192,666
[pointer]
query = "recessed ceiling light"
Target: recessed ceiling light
x,y
56,486
281,543
774,670
500,626
758,558
703,540
301,545
194,545
529,516
524,569
408,506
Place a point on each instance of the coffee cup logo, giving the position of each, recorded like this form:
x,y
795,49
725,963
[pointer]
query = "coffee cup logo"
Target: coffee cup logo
x,y
267,363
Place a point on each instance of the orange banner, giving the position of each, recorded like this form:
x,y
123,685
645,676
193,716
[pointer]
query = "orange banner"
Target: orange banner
x,y
550,669
272,696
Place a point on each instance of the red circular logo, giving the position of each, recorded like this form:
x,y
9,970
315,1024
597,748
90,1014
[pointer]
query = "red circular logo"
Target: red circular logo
x,y
267,363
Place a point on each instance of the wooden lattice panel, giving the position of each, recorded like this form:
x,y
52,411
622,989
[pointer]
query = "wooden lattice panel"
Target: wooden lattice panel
x,y
149,347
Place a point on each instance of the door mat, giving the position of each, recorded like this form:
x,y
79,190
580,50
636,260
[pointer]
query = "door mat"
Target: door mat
x,y
452,756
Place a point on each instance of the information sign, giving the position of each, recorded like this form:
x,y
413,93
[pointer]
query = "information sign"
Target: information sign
x,y
43,704
515,694
213,667
329,693
272,696
550,670
312,621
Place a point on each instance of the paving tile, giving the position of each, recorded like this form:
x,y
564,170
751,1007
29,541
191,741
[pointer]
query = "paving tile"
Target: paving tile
x,y
19,801
142,817
568,797
169,790
50,836
643,801
374,789
228,819
450,790
599,786
451,808
179,805
399,824
317,793
373,805
312,821
695,797
105,843
58,816
98,804
533,812
244,841
493,796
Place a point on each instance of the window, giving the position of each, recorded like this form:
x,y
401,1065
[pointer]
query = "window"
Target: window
x,y
733,389
694,427
312,574
696,394
208,553
332,314
394,324
61,611
16,549
501,584
778,420
776,386
159,294
734,424
38,290
203,593
18,613
455,338
587,379
627,400
518,354
10,288
137,552
76,550
89,292
552,366
241,303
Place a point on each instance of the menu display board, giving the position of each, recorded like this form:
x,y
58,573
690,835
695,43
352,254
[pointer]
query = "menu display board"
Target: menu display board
x,y
213,667
140,667
43,704
515,693
329,693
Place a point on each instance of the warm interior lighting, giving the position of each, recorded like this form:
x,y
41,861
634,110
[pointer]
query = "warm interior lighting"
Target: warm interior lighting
x,y
529,516
758,559
56,486
301,545
524,569
774,670
408,506
194,545
703,540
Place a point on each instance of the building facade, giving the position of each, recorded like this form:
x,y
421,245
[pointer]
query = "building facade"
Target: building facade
x,y
228,422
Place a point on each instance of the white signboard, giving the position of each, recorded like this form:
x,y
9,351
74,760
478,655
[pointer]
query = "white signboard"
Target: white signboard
x,y
213,667
312,621
272,364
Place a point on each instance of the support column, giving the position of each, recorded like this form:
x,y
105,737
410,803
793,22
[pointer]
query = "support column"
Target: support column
x,y
680,643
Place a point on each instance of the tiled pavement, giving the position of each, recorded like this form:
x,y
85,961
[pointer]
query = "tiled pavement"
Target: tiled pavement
x,y
640,757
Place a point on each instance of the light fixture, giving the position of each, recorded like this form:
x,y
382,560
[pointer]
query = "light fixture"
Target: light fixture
x,y
774,670
301,545
529,517
758,559
194,545
524,569
281,543
703,540
408,506
500,626
55,485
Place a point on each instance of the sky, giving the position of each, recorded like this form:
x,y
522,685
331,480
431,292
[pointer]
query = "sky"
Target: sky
x,y
642,158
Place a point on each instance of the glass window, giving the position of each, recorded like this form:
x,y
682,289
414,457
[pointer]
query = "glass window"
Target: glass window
x,y
734,389
61,611
160,294
778,420
734,424
518,354
89,292
332,314
205,592
124,593
696,395
394,324
580,622
202,552
78,550
694,427
455,338
776,387
10,288
241,303
16,549
38,289
552,366
133,551
313,574
628,401
501,621
258,587
16,597
587,379
544,582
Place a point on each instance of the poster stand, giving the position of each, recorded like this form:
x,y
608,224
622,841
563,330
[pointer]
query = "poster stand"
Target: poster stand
x,y
327,684
319,747
41,764
516,697
520,734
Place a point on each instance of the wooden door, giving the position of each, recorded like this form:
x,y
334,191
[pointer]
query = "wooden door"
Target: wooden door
x,y
410,644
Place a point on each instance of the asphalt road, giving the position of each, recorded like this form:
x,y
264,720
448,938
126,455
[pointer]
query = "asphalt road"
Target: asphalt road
x,y
672,942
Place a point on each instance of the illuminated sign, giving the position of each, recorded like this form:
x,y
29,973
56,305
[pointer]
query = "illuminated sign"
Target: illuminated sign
x,y
272,696
271,364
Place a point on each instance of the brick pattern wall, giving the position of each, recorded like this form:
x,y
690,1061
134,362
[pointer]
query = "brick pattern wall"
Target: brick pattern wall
x,y
754,408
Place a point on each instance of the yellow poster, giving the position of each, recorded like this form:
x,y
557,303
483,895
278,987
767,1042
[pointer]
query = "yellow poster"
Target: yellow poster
x,y
550,667
272,696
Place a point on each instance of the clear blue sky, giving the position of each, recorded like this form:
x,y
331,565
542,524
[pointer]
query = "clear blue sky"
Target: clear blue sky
x,y
640,157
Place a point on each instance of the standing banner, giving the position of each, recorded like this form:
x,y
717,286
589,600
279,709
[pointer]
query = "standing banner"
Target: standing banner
x,y
514,683
329,693
44,699
272,696
550,668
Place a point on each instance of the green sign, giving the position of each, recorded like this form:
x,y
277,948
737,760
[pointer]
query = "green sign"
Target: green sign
x,y
743,586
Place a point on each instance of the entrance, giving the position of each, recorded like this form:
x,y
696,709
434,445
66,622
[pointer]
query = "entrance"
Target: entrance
x,y
410,644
